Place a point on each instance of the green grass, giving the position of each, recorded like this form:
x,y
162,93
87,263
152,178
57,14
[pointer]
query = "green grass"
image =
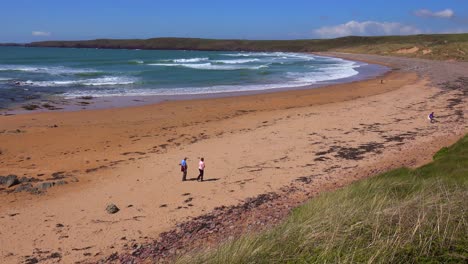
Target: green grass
x,y
442,46
402,216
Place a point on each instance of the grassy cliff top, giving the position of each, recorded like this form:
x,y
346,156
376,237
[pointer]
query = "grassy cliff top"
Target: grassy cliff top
x,y
438,47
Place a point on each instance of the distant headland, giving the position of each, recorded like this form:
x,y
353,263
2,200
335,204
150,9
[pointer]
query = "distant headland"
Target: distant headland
x,y
436,46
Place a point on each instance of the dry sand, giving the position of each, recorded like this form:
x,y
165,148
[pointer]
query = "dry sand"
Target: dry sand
x,y
252,145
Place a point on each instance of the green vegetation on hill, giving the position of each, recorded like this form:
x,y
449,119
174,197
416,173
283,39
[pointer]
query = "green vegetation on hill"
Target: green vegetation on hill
x,y
440,47
402,216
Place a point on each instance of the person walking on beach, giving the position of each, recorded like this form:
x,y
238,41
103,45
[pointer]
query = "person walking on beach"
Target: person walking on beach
x,y
431,117
183,168
201,168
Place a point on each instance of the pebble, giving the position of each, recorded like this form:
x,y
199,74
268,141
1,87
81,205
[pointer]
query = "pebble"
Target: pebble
x,y
112,208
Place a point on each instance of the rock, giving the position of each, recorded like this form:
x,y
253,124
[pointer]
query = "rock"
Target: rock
x,y
24,188
11,181
31,261
112,209
35,190
5,179
61,182
74,179
55,255
24,179
27,179
46,185
58,175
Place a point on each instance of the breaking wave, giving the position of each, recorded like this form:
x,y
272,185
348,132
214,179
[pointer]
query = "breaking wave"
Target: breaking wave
x,y
209,66
240,61
190,60
104,81
48,70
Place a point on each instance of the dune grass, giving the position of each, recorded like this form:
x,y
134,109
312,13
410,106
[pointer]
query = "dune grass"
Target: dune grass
x,y
402,216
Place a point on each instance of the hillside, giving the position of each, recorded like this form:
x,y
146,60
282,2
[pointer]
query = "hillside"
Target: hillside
x,y
438,47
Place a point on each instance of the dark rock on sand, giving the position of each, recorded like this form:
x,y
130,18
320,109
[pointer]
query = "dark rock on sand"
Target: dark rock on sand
x,y
58,175
12,180
25,179
31,107
46,185
62,182
28,179
55,255
31,261
24,188
5,179
112,209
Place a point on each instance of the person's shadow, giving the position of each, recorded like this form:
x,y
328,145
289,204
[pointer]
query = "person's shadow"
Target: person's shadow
x,y
205,180
212,179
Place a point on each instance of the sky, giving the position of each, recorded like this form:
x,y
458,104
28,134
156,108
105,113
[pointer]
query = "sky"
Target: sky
x,y
37,20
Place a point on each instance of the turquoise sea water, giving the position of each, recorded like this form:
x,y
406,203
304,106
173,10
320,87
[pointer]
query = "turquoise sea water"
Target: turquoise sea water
x,y
29,73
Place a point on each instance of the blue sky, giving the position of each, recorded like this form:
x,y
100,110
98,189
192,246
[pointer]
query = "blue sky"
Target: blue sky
x,y
37,20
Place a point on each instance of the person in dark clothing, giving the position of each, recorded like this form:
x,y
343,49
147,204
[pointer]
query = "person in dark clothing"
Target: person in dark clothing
x,y
431,117
183,168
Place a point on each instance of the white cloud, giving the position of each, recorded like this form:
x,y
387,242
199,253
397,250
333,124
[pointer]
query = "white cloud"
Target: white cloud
x,y
41,34
366,28
447,13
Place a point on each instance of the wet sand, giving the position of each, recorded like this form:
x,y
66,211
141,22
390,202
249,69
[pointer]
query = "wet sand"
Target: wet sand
x,y
252,144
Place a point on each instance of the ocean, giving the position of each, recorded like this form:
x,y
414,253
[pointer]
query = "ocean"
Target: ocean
x,y
35,73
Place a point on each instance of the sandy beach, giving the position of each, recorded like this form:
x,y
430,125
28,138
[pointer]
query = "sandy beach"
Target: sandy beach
x,y
308,140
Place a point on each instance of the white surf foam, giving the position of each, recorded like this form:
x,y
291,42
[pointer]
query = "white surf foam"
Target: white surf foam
x,y
137,61
177,91
252,54
239,61
326,73
283,55
209,66
295,80
18,68
104,81
190,60
48,70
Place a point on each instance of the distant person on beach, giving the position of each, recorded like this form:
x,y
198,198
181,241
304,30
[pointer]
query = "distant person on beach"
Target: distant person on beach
x,y
201,168
431,117
183,168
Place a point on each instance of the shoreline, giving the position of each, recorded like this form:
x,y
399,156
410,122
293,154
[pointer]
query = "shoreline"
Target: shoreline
x,y
57,103
311,140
